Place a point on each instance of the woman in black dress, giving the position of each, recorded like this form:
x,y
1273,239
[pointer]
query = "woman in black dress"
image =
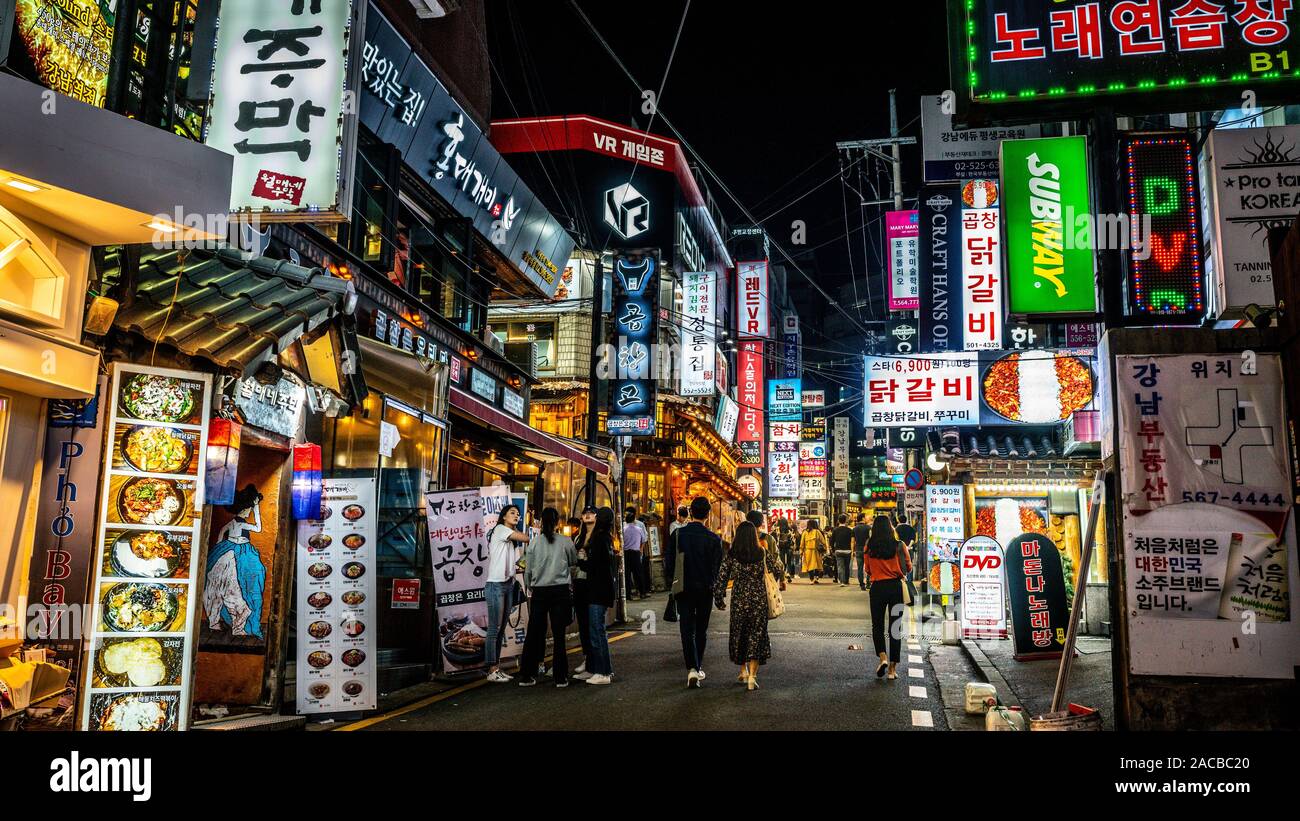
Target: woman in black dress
x,y
749,645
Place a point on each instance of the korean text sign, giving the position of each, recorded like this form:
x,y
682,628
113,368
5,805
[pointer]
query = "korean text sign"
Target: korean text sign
x,y
981,266
698,333
983,596
945,522
902,234
277,103
751,297
633,393
1045,192
1036,588
751,394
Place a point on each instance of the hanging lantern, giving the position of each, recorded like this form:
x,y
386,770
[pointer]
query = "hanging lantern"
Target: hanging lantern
x,y
222,461
306,481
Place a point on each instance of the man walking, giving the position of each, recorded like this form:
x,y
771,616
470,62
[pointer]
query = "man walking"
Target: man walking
x,y
907,535
861,535
700,552
634,537
842,544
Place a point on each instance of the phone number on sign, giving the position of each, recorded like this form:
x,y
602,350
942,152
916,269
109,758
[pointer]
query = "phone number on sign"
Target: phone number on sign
x,y
1214,497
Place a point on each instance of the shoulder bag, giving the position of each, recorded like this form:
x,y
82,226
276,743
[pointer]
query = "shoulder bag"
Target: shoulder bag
x,y
775,604
909,589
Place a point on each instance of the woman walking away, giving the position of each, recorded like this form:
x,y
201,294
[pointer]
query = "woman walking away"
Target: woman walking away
x,y
549,560
814,548
599,567
768,544
500,577
886,559
745,564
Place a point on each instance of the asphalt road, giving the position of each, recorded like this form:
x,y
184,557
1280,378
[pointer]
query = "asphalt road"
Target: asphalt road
x,y
815,680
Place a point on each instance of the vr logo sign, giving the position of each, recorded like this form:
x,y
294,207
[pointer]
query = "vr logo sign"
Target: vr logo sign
x,y
627,211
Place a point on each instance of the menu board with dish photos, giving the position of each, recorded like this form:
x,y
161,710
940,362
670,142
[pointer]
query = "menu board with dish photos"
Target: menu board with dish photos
x,y
141,648
336,601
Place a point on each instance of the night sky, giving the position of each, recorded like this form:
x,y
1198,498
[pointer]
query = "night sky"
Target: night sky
x,y
760,91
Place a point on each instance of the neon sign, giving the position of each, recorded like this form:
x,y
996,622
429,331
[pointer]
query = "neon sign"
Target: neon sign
x,y
1159,182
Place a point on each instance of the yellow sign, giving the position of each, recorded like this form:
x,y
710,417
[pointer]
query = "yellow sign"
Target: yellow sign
x,y
69,44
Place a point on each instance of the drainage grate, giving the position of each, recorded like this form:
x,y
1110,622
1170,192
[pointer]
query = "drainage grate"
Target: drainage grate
x,y
802,634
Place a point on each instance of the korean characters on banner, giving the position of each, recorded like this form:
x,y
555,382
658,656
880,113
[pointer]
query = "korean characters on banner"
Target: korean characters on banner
x,y
981,266
1204,428
902,233
812,459
983,592
751,394
633,395
1045,195
698,333
961,154
813,489
1040,614
940,307
945,523
841,451
783,470
277,104
1182,574
787,509
337,600
751,299
144,599
941,389
784,399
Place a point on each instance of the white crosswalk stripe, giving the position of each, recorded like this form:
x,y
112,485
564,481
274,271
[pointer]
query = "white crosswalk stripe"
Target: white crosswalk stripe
x,y
922,718
916,692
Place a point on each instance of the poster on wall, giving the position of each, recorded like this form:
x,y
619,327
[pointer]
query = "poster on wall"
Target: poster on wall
x,y
1184,574
698,333
138,667
945,523
1036,589
65,45
337,600
983,591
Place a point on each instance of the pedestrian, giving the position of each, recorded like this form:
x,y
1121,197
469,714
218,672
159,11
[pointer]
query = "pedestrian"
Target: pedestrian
x,y
600,569
700,552
765,541
747,566
886,563
497,589
842,544
814,547
634,538
683,516
549,561
861,535
581,595
906,535
785,543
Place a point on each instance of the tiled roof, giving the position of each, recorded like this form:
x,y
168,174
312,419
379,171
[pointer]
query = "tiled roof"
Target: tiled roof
x,y
228,310
999,446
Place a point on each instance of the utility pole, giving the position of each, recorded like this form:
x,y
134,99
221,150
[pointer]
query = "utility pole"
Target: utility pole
x,y
593,395
898,163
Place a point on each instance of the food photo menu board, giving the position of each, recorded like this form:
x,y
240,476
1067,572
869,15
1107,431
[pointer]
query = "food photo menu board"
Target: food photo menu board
x,y
336,600
137,676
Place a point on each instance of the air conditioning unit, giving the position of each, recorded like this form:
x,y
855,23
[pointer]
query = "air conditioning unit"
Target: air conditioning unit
x,y
429,9
523,355
493,341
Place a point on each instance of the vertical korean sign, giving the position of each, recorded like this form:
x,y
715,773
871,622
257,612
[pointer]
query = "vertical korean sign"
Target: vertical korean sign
x,y
633,396
1045,192
337,606
698,333
981,266
751,299
792,364
459,551
840,454
750,435
902,233
945,522
277,106
138,669
939,218
1036,590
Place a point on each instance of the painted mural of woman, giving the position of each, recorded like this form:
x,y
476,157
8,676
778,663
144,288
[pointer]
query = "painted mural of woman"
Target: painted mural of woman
x,y
236,576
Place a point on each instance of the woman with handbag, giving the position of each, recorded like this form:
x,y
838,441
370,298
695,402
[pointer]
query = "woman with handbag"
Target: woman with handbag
x,y
498,590
886,559
774,564
814,548
746,565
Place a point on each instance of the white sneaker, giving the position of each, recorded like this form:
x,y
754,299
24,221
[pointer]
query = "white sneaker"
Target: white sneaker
x,y
583,676
693,679
499,677
701,674
581,668
598,680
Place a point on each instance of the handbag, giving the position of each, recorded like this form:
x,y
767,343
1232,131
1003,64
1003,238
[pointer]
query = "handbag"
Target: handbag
x,y
679,570
909,589
775,604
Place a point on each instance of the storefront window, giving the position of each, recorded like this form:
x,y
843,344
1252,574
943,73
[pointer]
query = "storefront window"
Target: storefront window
x,y
412,470
156,88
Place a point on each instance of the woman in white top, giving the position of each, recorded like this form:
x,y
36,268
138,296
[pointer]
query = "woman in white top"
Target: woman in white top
x,y
502,557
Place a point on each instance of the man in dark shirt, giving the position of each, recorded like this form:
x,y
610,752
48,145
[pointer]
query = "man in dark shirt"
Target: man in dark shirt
x,y
842,544
861,535
906,535
700,552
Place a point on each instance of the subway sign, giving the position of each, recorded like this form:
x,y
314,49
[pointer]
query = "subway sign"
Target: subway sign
x,y
1165,265
1075,54
1045,196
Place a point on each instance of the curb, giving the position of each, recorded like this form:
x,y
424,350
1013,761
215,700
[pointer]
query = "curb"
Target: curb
x,y
988,672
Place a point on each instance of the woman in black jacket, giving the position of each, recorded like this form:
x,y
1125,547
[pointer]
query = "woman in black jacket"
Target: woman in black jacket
x,y
581,598
599,567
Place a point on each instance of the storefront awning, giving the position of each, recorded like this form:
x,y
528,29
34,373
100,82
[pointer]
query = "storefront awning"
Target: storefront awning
x,y
492,417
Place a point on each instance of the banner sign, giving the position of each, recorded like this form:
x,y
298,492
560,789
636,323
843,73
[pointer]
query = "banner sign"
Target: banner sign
x,y
783,473
939,217
1036,588
337,601
841,450
983,593
277,106
905,437
784,400
787,509
1158,178
981,266
633,395
914,504
1198,575
961,154
1204,428
1045,191
144,598
902,231
786,432
792,363
751,298
698,333
726,419
751,396
814,399
812,432
813,489
1254,185
945,522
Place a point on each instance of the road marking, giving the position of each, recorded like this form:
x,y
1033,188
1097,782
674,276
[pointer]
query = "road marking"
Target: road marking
x,y
434,699
916,692
922,718
913,659
911,646
915,672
